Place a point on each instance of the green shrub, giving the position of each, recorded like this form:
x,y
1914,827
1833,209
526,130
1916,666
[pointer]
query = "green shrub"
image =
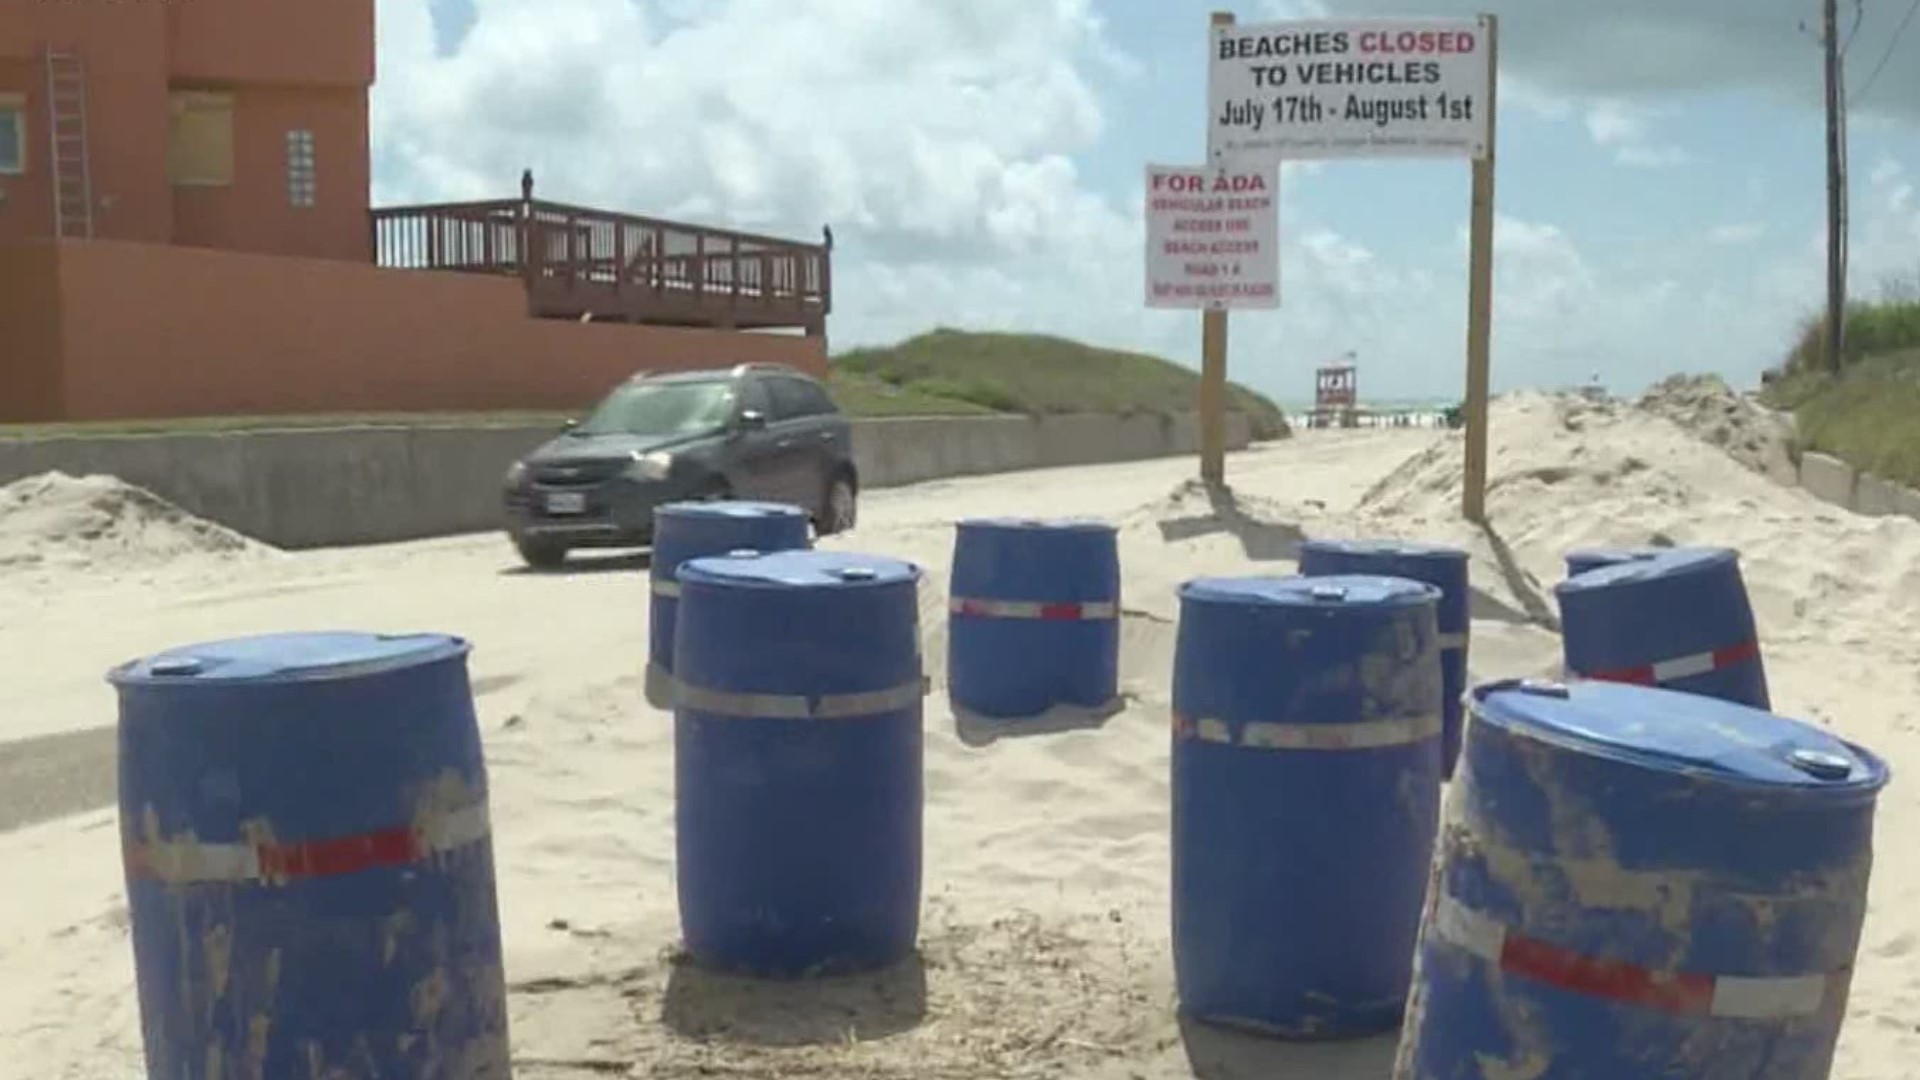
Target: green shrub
x,y
1038,374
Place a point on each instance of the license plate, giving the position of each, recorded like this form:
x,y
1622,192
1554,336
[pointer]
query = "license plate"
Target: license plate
x,y
566,502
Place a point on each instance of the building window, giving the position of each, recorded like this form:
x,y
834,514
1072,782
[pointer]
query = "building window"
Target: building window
x,y
300,170
13,134
200,139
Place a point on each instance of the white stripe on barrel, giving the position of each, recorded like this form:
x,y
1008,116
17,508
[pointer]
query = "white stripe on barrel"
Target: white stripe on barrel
x,y
799,707
1064,610
1365,735
1683,667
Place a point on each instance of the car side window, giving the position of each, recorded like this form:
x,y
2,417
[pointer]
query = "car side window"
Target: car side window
x,y
818,403
753,396
789,399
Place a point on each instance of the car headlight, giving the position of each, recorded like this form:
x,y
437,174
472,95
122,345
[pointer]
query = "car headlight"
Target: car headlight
x,y
516,473
654,466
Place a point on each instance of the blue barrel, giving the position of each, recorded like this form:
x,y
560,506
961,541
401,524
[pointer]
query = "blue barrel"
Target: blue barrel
x,y
309,868
1306,786
1445,568
1634,882
1679,620
1033,616
797,762
693,530
1581,560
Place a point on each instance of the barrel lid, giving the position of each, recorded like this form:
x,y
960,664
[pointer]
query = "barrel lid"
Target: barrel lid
x,y
1689,734
1087,525
1338,591
287,657
1669,563
1615,554
729,508
798,570
1408,549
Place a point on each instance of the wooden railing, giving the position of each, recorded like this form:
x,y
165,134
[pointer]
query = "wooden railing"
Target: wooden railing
x,y
579,261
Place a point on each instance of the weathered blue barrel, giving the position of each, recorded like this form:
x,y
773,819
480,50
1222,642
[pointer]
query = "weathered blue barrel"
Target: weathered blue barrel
x,y
1034,616
1581,560
1445,568
1679,620
797,762
1634,883
309,869
692,530
1306,784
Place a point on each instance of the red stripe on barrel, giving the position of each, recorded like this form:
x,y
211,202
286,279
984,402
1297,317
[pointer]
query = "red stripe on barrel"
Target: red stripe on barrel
x,y
341,855
1638,676
1609,979
1067,611
1649,674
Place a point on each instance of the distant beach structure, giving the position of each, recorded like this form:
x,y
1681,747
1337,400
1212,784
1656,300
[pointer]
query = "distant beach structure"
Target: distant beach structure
x,y
1337,404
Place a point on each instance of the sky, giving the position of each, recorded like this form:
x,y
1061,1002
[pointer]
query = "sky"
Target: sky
x,y
1660,182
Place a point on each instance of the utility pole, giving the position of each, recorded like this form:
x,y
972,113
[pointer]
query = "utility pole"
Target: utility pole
x,y
1836,187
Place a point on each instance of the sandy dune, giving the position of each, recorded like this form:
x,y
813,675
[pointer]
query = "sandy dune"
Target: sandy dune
x,y
1045,946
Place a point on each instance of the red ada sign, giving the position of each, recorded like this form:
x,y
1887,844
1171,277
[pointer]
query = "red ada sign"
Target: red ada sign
x,y
1213,237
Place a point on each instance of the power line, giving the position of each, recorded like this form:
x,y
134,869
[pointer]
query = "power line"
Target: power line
x,y
1859,16
1912,10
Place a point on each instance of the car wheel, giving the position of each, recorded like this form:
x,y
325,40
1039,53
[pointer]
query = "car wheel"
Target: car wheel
x,y
540,554
841,508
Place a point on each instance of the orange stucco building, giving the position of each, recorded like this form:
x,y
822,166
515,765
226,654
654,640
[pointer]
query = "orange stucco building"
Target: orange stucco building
x,y
185,229
229,124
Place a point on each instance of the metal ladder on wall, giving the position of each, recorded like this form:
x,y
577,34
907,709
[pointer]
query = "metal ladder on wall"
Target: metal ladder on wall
x,y
67,145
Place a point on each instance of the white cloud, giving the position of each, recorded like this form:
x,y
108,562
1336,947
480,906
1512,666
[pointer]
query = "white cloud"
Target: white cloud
x,y
937,138
1885,229
1540,277
1294,9
1623,129
942,140
1633,48
1739,232
920,129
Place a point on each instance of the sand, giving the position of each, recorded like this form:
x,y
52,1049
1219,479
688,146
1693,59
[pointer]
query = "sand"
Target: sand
x,y
76,524
1045,949
1751,433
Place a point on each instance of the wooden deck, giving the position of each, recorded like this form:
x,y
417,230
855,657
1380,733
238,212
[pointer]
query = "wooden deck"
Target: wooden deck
x,y
581,263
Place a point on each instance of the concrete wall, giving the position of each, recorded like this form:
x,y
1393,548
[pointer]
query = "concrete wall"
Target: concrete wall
x,y
1827,478
1832,480
893,452
300,489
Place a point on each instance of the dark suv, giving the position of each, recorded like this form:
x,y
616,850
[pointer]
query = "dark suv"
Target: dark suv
x,y
758,431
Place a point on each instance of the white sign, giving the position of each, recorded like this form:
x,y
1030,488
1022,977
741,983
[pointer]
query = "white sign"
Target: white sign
x,y
1338,88
1213,237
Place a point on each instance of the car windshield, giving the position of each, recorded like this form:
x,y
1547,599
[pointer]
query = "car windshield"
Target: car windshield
x,y
683,408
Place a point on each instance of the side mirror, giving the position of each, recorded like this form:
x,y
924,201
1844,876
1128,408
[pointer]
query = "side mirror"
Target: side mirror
x,y
753,420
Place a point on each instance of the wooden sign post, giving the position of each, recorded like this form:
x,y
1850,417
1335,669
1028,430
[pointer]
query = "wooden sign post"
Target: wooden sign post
x,y
1213,362
1473,478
